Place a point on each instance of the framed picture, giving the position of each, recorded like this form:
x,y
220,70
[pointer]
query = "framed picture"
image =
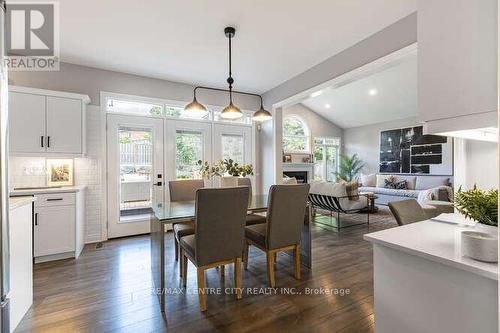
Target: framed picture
x,y
59,172
287,158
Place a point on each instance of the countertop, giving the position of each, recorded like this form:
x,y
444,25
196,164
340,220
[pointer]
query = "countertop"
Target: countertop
x,y
17,202
64,189
436,241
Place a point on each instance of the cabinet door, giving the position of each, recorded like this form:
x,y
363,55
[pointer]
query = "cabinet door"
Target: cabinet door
x,y
64,125
54,230
26,123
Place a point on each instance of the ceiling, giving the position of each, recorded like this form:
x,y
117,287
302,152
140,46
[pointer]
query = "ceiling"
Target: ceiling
x,y
183,40
387,95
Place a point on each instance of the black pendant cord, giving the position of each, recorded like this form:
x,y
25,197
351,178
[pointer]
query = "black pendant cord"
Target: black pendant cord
x,y
230,79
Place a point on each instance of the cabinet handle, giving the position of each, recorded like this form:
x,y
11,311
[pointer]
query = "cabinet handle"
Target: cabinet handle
x,y
55,199
36,218
41,141
48,141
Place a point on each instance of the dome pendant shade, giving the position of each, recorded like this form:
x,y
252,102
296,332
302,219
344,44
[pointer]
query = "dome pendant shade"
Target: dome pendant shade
x,y
262,115
195,108
231,112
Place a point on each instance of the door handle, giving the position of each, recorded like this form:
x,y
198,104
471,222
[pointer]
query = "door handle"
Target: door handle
x,y
48,141
158,184
36,218
41,141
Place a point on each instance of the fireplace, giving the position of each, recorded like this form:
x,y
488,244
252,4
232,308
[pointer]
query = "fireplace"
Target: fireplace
x,y
301,176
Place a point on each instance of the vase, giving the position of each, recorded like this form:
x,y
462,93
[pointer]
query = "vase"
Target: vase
x,y
213,182
229,181
480,245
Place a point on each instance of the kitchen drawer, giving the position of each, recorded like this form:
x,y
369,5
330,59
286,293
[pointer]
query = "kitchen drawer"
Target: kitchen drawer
x,y
55,199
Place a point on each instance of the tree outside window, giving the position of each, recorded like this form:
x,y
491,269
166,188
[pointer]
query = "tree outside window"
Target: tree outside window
x,y
326,158
295,135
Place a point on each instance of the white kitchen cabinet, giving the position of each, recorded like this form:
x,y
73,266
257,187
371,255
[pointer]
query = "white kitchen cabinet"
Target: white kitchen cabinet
x,y
64,125
53,229
20,259
59,222
47,122
26,122
457,62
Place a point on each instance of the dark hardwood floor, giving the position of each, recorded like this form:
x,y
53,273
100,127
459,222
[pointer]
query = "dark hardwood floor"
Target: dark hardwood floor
x,y
108,289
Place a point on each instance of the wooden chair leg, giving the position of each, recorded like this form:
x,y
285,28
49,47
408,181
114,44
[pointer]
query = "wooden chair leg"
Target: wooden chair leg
x,y
297,261
270,268
245,255
184,269
201,289
275,257
237,277
176,245
222,271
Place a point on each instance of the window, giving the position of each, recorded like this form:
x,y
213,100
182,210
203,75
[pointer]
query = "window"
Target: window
x,y
295,135
233,147
135,108
189,149
326,158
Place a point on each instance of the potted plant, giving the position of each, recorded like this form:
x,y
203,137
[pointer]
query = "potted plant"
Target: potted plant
x,y
219,169
481,206
350,167
235,170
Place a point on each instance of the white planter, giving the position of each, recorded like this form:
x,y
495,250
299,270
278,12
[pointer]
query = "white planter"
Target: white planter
x,y
480,246
229,181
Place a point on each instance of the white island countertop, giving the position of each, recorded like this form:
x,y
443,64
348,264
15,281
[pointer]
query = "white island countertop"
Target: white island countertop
x,y
45,190
436,241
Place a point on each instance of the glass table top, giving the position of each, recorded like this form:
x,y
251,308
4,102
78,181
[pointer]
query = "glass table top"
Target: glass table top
x,y
169,211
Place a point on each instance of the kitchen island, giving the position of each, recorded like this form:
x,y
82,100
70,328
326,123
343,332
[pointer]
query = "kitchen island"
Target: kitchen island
x,y
422,283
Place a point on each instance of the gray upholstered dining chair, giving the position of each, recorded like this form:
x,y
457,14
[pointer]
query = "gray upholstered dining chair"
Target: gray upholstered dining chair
x,y
183,190
251,218
282,230
218,237
407,211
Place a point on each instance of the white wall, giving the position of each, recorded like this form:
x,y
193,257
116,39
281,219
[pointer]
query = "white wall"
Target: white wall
x,y
395,37
318,126
365,141
481,164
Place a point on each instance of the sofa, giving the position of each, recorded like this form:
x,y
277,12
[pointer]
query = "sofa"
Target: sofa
x,y
424,189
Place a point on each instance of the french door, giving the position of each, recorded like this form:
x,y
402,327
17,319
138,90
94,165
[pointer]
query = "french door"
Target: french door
x,y
233,142
135,172
186,142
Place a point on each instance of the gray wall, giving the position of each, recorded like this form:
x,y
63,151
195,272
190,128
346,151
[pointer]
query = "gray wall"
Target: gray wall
x,y
365,141
318,126
395,37
91,81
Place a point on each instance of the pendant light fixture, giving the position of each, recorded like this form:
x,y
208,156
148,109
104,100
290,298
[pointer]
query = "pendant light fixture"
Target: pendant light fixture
x,y
230,112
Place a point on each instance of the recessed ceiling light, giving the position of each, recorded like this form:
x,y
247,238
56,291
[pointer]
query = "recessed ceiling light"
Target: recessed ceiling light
x,y
328,106
316,93
373,92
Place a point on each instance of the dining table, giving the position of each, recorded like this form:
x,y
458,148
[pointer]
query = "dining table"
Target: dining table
x,y
167,213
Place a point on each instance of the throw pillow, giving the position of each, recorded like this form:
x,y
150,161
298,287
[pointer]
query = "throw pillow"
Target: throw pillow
x,y
402,185
368,180
351,189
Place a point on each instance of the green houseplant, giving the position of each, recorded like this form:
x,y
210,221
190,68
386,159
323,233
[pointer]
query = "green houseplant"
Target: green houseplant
x,y
236,170
480,205
350,167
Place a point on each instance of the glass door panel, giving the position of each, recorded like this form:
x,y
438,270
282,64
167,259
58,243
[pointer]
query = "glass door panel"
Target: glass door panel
x,y
189,150
136,163
234,142
135,172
